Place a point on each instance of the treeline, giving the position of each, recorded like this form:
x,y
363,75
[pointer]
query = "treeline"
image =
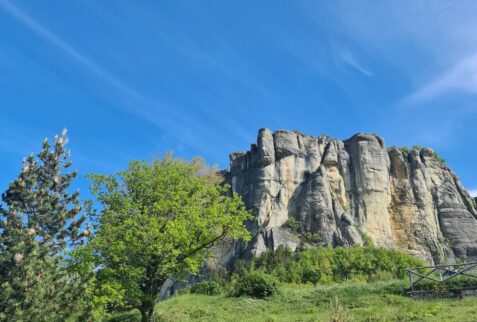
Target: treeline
x,y
320,265
324,265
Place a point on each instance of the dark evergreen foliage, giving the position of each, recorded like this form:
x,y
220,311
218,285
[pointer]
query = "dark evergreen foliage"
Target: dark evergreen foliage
x,y
39,218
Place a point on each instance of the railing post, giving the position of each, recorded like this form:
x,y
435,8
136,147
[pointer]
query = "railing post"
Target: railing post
x,y
410,281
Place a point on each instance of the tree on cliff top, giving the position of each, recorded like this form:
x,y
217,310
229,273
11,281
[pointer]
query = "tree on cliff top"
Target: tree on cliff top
x,y
158,221
39,218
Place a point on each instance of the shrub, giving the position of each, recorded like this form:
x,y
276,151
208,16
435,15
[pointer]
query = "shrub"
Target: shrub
x,y
381,275
310,238
292,223
338,313
439,158
298,132
403,149
206,288
241,267
367,240
257,285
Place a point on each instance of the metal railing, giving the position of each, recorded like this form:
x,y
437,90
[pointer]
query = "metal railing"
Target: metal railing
x,y
440,274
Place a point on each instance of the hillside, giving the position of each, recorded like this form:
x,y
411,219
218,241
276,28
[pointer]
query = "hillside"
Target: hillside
x,y
356,302
342,192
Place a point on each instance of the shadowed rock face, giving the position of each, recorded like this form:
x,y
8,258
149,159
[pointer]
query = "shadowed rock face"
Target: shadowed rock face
x,y
338,191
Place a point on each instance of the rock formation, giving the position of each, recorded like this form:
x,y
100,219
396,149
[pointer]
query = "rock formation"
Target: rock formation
x,y
319,189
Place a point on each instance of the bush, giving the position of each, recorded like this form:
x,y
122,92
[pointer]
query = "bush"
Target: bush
x,y
206,288
380,275
292,223
310,238
439,158
257,285
298,132
404,149
367,240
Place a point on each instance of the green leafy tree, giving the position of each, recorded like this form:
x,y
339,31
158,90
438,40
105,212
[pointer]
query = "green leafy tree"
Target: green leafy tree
x,y
39,218
158,222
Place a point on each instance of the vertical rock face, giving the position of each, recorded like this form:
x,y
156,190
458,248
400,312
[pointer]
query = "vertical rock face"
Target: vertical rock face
x,y
320,189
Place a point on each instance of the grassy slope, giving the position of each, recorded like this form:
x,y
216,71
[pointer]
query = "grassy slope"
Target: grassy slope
x,y
357,302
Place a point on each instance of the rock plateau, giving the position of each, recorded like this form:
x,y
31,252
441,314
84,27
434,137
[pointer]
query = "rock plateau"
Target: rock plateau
x,y
319,189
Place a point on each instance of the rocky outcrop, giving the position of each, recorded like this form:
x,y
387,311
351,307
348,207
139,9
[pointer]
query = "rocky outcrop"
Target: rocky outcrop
x,y
306,189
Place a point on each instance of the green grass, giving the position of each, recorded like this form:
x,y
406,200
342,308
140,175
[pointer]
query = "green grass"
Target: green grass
x,y
382,301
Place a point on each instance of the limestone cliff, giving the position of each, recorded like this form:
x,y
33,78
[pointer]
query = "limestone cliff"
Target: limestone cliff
x,y
337,192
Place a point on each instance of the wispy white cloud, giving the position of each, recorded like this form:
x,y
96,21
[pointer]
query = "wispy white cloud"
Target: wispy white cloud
x,y
350,60
462,77
431,44
166,117
92,67
473,192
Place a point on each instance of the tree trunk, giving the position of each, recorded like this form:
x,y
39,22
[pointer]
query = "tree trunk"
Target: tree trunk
x,y
147,308
147,312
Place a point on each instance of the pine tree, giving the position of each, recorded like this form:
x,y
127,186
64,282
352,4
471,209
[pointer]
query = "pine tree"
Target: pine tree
x,y
39,220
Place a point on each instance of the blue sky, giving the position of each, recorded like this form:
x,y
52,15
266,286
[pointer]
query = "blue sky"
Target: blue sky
x,y
135,79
